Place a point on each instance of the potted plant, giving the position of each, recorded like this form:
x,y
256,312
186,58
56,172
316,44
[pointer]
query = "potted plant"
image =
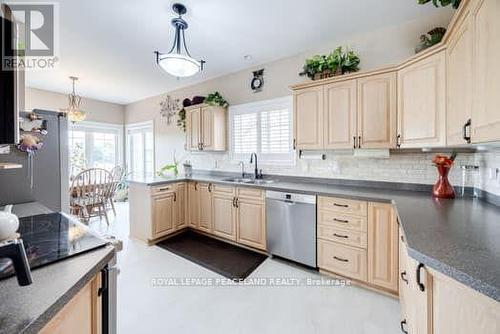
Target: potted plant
x,y
215,99
443,3
433,37
121,194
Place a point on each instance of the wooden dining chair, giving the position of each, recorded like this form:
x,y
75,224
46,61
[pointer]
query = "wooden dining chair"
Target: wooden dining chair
x,y
89,193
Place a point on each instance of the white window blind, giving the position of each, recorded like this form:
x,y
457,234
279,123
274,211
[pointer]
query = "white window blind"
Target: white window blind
x,y
264,128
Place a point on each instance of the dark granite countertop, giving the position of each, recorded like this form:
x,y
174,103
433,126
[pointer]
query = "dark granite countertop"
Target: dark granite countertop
x,y
27,309
460,238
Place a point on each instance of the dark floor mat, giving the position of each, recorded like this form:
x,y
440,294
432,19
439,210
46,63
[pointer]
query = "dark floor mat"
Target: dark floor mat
x,y
230,261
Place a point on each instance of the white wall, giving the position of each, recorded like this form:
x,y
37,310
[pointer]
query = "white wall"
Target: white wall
x,y
376,48
97,111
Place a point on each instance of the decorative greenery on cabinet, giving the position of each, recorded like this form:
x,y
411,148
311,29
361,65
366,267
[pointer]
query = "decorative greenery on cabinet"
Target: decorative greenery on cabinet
x,y
215,99
338,62
442,3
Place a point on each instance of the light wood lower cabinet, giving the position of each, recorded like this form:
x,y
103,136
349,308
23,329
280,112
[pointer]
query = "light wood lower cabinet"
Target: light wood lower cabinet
x,y
157,211
205,204
251,222
382,246
341,259
81,315
193,206
223,216
163,214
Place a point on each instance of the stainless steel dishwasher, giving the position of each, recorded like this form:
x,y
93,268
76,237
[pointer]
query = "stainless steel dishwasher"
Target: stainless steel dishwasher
x,y
291,226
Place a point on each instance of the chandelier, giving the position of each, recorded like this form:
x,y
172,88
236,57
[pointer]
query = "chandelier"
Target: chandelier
x,y
178,62
73,111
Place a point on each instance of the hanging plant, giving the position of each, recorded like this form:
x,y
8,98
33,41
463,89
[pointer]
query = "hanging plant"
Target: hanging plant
x,y
442,3
181,119
215,99
339,61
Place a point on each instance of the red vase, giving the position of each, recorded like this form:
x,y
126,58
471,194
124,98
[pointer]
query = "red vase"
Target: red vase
x,y
443,188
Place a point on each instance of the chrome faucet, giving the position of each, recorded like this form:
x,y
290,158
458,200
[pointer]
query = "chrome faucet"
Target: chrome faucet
x,y
14,250
256,171
242,165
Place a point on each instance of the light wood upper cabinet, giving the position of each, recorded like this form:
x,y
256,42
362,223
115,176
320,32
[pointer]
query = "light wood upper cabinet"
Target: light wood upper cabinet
x,y
180,206
422,102
163,214
308,118
205,196
377,111
340,115
206,128
223,216
383,249
486,53
193,204
251,222
459,82
193,129
81,315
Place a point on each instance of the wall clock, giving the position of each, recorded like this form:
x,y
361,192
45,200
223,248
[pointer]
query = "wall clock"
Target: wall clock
x,y
257,81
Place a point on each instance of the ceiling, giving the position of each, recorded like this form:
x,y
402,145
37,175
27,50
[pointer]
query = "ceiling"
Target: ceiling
x,y
109,44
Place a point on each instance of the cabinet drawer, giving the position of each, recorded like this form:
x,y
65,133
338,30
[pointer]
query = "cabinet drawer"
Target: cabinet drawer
x,y
250,193
343,260
346,237
222,189
348,222
166,188
342,205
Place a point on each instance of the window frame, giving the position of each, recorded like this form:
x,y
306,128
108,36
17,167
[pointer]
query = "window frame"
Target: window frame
x,y
283,159
138,126
89,127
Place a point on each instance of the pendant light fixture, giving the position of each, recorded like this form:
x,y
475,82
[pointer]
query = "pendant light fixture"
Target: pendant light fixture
x,y
178,62
73,111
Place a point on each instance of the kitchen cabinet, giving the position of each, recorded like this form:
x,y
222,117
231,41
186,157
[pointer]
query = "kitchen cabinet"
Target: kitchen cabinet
x,y
193,205
340,128
308,118
341,259
180,206
422,102
377,111
382,246
81,315
206,128
251,219
205,204
223,216
486,79
459,76
163,214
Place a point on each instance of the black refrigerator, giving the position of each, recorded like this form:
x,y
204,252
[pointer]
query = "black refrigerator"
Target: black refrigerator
x,y
49,182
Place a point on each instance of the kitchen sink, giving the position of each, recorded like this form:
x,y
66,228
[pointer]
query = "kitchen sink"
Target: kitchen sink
x,y
248,181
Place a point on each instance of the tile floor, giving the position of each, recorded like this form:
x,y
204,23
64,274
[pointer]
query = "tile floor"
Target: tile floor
x,y
146,308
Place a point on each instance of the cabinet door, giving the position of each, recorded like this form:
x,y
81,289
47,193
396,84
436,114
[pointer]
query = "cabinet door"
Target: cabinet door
x,y
180,206
308,118
340,115
457,309
251,223
81,315
377,111
459,82
223,216
404,285
163,214
193,204
207,128
486,53
193,129
419,306
422,102
205,221
382,246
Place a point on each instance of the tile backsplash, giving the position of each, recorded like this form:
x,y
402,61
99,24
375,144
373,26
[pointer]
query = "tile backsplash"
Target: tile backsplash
x,y
488,178
398,167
